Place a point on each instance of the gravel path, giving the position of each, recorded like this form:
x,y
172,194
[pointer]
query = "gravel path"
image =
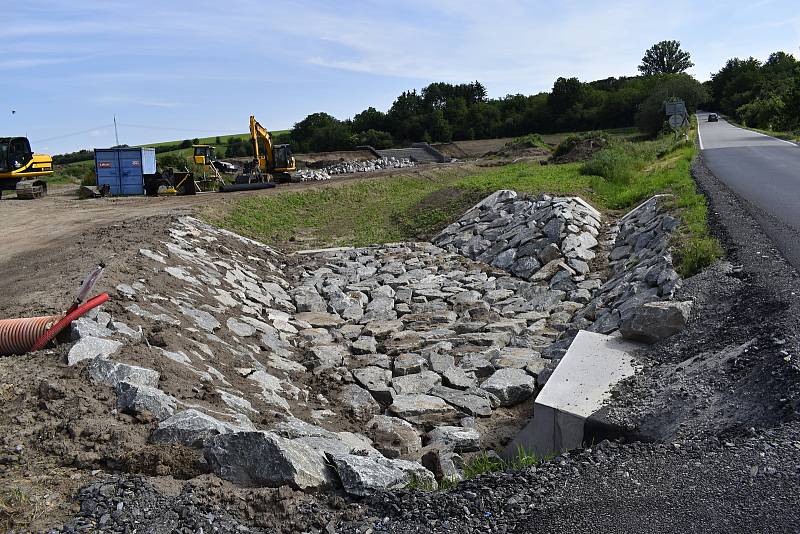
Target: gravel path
x,y
746,485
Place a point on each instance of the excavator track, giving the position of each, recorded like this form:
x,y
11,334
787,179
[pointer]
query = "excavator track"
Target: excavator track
x,y
31,189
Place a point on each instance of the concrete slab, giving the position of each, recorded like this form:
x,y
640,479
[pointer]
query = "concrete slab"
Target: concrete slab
x,y
579,386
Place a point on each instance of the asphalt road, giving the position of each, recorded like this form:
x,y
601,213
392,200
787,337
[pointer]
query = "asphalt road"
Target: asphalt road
x,y
764,172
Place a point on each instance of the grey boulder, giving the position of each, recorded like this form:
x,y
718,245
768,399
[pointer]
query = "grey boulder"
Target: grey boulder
x,y
394,437
189,427
136,399
654,321
91,347
511,386
366,475
112,373
266,459
455,438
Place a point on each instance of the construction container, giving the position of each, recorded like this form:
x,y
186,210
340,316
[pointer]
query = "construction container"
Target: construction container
x,y
124,169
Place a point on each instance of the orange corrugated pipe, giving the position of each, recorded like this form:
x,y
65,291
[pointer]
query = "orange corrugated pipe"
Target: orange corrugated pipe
x,y
17,336
73,313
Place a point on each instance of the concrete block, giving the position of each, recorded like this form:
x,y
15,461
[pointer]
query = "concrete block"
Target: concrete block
x,y
579,386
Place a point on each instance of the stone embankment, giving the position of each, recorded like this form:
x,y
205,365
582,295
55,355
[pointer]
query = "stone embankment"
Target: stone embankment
x,y
376,367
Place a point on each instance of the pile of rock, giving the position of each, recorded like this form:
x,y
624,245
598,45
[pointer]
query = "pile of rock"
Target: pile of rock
x,y
549,239
374,367
417,347
350,167
310,175
641,269
636,296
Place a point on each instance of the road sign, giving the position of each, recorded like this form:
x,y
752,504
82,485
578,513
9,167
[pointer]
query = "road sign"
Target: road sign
x,y
676,121
677,107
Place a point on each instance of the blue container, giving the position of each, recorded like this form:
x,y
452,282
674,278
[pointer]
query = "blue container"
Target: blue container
x,y
124,169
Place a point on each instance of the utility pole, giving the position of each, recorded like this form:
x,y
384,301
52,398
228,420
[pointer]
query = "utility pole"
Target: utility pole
x,y
116,135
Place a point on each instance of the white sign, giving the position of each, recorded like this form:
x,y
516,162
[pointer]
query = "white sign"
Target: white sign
x,y
676,121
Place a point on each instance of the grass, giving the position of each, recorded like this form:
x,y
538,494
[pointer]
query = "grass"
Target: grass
x,y
71,173
625,174
619,133
527,141
779,134
417,207
787,136
480,465
390,209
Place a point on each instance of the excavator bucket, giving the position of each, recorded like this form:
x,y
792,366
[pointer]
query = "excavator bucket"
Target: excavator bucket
x,y
30,189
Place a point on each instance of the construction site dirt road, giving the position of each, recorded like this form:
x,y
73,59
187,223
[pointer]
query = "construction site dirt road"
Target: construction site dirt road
x,y
51,221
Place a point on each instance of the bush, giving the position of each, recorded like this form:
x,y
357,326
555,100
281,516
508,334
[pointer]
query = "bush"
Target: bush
x,y
614,164
761,113
650,117
375,139
569,143
528,141
175,161
90,178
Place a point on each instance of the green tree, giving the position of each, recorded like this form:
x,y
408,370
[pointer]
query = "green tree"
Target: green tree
x,y
650,117
665,57
302,132
566,93
374,138
438,127
369,119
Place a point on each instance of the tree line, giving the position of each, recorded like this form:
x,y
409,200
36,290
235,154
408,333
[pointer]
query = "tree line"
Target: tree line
x,y
443,112
761,95
764,95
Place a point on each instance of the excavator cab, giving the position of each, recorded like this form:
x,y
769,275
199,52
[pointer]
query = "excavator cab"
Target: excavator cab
x,y
204,154
282,156
18,165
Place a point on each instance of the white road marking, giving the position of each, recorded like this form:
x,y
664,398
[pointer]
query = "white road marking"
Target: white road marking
x,y
699,137
764,135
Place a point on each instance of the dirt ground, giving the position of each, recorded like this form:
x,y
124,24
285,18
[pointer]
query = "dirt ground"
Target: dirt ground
x,y
49,222
59,431
471,149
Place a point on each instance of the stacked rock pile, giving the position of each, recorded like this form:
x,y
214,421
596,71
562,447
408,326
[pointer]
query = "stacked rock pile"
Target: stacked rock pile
x,y
350,167
366,368
548,239
640,264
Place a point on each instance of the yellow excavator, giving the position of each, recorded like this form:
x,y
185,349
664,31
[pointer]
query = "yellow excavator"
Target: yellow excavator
x,y
204,155
20,168
271,162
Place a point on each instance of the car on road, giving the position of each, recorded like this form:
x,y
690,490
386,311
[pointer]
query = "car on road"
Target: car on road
x,y
713,117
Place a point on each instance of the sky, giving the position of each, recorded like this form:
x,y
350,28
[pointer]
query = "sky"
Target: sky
x,y
175,69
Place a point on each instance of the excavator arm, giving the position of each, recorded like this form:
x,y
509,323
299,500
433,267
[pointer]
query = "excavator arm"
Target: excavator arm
x,y
276,159
258,132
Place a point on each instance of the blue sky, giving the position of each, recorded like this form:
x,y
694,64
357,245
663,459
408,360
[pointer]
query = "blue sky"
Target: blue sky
x,y
174,69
